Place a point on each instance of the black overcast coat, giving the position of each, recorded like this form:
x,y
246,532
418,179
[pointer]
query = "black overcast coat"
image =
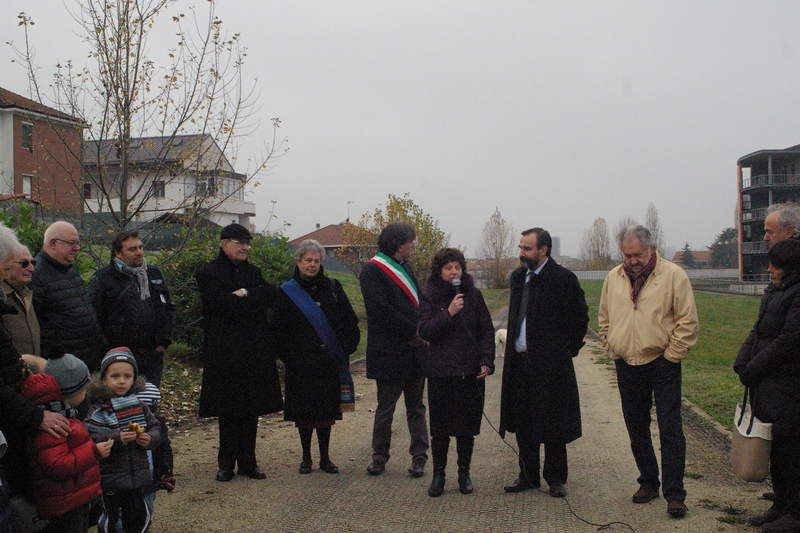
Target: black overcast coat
x,y
460,344
548,406
239,373
312,376
769,360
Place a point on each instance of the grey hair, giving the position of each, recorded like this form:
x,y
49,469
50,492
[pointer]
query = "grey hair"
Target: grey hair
x,y
309,245
9,244
635,231
788,216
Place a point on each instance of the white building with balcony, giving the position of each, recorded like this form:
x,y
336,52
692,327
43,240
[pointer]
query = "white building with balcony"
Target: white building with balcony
x,y
165,175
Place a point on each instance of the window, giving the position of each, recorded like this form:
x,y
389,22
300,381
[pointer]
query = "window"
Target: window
x,y
27,134
27,179
159,189
206,187
87,191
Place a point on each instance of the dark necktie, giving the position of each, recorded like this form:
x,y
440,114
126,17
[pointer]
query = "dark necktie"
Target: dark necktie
x,y
523,303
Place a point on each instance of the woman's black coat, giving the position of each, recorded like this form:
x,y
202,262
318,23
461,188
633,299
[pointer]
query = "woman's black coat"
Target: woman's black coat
x,y
239,373
769,360
312,387
548,407
460,344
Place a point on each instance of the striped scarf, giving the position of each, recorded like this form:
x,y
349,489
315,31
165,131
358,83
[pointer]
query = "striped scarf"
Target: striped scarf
x,y
638,278
115,415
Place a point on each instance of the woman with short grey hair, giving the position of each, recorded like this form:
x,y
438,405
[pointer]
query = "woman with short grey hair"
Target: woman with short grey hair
x,y
315,330
309,245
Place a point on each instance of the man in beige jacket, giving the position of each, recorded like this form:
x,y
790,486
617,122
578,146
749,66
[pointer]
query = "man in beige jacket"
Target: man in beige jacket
x,y
648,323
24,326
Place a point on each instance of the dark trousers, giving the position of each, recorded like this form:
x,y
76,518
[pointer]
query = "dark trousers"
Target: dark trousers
x,y
556,469
237,442
388,393
74,521
150,363
128,504
638,385
784,468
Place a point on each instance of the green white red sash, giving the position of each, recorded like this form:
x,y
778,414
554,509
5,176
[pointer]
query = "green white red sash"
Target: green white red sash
x,y
398,274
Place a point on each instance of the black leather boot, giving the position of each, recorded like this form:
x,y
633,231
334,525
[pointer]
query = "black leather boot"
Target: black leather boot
x,y
464,482
437,484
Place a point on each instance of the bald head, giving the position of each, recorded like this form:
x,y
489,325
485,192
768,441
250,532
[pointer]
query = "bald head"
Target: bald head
x,y
61,242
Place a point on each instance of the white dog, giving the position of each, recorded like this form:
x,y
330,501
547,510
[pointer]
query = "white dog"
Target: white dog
x,y
500,343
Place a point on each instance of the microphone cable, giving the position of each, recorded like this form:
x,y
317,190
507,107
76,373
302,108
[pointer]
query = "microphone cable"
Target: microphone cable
x,y
600,527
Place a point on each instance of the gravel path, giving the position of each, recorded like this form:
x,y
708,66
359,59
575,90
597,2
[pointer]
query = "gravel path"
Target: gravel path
x,y
602,478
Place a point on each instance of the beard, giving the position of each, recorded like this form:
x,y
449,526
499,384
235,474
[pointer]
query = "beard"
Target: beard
x,y
530,262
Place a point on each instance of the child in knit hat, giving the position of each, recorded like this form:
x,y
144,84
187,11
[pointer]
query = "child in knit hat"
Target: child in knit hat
x,y
118,414
64,471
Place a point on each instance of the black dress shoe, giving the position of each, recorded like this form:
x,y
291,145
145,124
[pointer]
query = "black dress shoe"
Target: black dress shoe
x,y
305,467
224,475
328,467
255,473
376,468
558,490
519,485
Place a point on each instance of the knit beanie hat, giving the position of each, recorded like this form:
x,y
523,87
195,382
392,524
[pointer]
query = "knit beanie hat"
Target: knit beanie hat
x,y
72,374
150,396
121,354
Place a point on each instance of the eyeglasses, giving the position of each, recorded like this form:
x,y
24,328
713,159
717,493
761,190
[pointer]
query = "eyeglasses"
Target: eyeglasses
x,y
71,244
25,262
240,242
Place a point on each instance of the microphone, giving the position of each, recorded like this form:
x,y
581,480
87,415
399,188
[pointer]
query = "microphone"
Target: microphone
x,y
456,282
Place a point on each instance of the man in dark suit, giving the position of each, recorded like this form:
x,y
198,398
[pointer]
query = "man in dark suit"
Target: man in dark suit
x,y
547,319
391,299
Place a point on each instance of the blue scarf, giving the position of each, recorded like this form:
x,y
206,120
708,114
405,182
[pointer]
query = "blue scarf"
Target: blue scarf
x,y
323,328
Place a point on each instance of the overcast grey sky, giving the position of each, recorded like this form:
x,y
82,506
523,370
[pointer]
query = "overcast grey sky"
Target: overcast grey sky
x,y
555,112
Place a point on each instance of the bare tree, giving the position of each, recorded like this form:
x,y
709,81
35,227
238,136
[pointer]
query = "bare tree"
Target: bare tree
x,y
651,222
595,248
496,250
623,223
155,124
361,239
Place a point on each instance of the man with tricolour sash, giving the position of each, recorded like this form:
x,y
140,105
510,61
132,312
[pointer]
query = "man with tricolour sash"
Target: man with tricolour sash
x,y
394,347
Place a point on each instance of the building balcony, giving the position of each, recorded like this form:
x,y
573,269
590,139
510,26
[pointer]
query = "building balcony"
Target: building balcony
x,y
754,215
769,181
755,247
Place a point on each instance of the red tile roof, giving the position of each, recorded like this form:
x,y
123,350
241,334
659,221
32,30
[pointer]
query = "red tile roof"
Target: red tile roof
x,y
9,100
329,236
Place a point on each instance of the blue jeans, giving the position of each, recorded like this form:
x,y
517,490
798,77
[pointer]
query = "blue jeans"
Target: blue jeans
x,y
388,393
638,385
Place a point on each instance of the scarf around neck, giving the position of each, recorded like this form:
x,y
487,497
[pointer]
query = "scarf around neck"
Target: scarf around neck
x,y
638,278
140,273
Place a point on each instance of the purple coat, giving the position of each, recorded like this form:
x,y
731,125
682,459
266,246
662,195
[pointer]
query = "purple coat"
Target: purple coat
x,y
460,344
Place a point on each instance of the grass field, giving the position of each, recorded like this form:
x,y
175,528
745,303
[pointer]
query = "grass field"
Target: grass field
x,y
708,377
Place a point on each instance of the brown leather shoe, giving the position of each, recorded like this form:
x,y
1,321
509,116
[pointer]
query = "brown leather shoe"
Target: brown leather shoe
x,y
676,509
770,515
417,468
785,524
644,495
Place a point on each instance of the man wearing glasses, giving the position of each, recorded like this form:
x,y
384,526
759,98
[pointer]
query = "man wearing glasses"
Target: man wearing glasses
x,y
60,299
240,378
24,326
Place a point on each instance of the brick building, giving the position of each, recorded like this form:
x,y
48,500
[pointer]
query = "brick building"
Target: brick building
x,y
40,154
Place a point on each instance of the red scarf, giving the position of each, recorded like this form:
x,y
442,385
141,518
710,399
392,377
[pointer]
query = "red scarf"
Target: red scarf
x,y
638,278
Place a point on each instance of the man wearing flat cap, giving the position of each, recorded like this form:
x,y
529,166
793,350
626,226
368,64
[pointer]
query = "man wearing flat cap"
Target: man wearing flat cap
x,y
240,378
